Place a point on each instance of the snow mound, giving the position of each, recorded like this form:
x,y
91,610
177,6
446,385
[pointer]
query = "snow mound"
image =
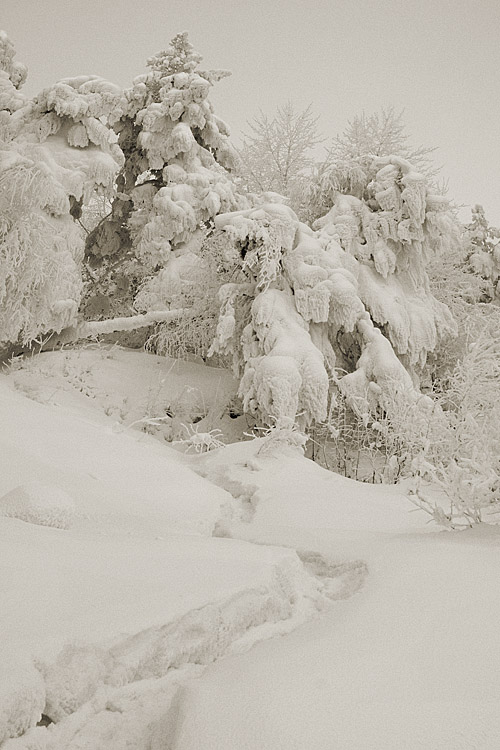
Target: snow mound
x,y
102,468
22,695
40,504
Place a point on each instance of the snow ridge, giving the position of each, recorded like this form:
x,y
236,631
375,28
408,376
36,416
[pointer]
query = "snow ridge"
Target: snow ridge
x,y
86,683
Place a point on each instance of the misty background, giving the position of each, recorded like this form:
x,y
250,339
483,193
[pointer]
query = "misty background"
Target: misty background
x,y
438,60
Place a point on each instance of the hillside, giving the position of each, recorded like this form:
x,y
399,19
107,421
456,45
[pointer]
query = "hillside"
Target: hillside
x,y
245,597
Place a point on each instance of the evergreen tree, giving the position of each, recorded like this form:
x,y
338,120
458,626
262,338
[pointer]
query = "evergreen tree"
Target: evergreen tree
x,y
483,250
173,180
392,232
349,303
54,153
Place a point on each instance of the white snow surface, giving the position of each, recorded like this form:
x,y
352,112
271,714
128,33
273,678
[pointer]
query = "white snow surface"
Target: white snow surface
x,y
412,660
245,598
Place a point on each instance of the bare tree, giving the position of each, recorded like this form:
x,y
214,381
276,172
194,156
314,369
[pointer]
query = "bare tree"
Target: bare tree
x,y
277,153
381,134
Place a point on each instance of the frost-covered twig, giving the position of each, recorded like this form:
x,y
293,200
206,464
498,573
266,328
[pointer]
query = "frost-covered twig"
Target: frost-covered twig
x,y
201,442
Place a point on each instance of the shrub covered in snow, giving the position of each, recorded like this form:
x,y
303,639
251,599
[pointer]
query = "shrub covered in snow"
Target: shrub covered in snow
x,y
200,442
462,449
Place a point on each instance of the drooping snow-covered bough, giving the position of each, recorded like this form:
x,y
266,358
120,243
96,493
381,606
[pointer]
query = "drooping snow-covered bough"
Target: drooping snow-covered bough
x,y
359,278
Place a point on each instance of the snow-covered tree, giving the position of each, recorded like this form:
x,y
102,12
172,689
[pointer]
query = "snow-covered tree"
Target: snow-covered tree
x,y
12,76
392,232
460,277
54,153
277,153
349,303
174,179
483,250
381,134
350,155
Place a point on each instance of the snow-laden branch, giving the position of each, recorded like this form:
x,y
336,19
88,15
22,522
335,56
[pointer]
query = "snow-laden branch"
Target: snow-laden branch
x,y
98,327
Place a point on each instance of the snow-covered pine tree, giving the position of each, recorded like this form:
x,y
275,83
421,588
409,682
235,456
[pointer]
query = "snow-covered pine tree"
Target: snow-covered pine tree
x,y
174,179
392,232
54,153
483,250
354,294
12,76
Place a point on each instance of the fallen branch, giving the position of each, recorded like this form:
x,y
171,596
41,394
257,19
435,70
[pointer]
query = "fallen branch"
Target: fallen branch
x,y
92,328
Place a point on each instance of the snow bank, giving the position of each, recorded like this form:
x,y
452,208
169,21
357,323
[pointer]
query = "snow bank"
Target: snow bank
x,y
132,387
277,487
104,594
411,661
198,637
116,626
118,479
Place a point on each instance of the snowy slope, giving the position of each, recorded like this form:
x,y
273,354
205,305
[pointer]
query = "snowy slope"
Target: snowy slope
x,y
167,563
108,471
410,662
132,387
278,487
413,660
132,584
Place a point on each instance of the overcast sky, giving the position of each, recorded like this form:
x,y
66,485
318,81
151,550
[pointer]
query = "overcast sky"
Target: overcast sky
x,y
439,60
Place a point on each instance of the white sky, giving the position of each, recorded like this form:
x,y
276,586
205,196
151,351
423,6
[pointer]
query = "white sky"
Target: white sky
x,y
439,60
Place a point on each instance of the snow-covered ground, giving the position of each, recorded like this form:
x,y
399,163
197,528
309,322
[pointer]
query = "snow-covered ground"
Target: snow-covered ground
x,y
245,598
